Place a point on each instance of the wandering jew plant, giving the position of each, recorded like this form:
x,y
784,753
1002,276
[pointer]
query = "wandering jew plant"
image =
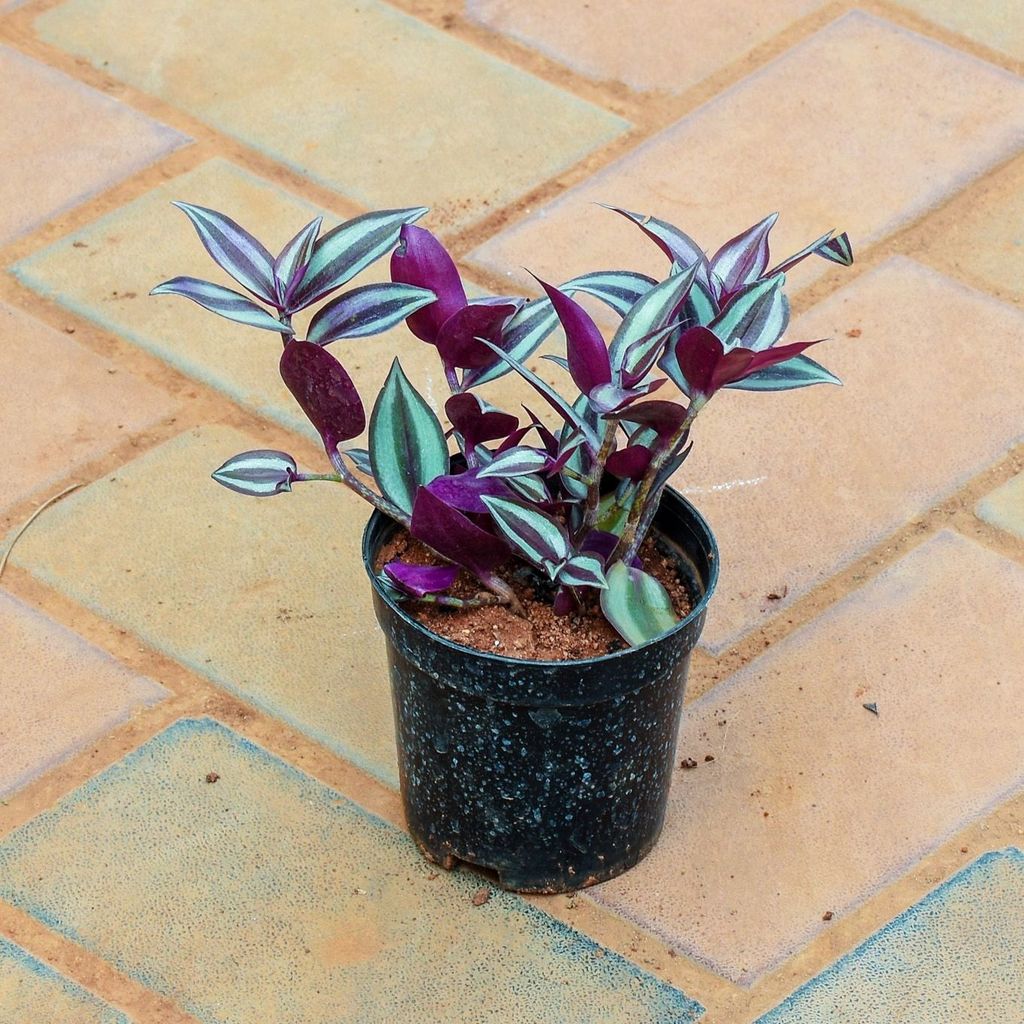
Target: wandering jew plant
x,y
575,502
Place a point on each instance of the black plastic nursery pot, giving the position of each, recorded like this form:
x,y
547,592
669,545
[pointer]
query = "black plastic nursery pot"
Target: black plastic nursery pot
x,y
554,775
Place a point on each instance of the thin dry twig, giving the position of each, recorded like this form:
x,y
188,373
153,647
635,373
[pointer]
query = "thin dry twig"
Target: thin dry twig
x,y
28,522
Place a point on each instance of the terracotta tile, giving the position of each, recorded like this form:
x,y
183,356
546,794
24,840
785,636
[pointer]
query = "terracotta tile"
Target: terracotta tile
x,y
981,236
810,134
645,45
300,906
67,692
106,271
992,23
953,956
795,815
61,405
1004,507
32,991
362,98
798,485
159,547
64,142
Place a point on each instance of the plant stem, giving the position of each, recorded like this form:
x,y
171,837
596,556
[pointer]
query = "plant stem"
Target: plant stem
x,y
303,477
453,379
286,319
378,502
447,601
596,473
632,536
504,591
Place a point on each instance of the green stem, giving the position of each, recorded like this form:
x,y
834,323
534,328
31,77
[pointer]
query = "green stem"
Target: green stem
x,y
286,319
504,592
447,601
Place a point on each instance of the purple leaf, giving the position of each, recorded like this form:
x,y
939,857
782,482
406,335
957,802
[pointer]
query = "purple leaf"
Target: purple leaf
x,y
566,602
589,364
459,341
455,537
743,259
698,353
664,418
421,260
520,338
630,463
420,580
244,257
324,391
465,491
477,421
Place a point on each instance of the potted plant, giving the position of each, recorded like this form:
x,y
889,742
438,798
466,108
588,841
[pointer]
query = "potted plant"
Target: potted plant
x,y
550,770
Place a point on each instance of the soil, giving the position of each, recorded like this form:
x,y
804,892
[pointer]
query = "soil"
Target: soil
x,y
542,635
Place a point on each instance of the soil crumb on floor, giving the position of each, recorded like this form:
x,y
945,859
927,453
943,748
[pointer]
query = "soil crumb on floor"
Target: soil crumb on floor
x,y
542,635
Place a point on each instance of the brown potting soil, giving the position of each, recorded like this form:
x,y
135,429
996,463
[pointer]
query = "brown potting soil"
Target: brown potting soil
x,y
541,635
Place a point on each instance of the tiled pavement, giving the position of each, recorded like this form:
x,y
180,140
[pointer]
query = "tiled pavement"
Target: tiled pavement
x,y
829,864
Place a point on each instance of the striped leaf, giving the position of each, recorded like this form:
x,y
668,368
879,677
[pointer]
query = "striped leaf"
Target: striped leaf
x,y
260,473
244,257
290,265
620,289
223,301
521,336
532,488
798,372
349,248
837,250
583,571
656,309
675,244
539,538
407,445
371,309
756,318
324,390
743,259
518,461
360,458
636,604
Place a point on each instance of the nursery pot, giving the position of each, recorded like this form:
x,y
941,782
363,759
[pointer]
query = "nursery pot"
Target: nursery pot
x,y
553,775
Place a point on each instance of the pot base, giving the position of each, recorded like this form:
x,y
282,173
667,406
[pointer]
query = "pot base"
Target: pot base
x,y
506,877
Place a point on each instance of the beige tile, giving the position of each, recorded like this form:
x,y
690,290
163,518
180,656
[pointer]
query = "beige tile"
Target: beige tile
x,y
268,896
995,23
63,142
1004,507
812,803
863,126
358,96
58,692
267,598
797,485
980,237
106,271
61,405
647,45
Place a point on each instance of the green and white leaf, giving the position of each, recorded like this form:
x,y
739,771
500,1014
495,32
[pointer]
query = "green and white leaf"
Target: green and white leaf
x,y
799,372
223,301
258,473
541,539
407,445
519,461
756,318
532,488
636,604
619,289
521,336
583,571
654,310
